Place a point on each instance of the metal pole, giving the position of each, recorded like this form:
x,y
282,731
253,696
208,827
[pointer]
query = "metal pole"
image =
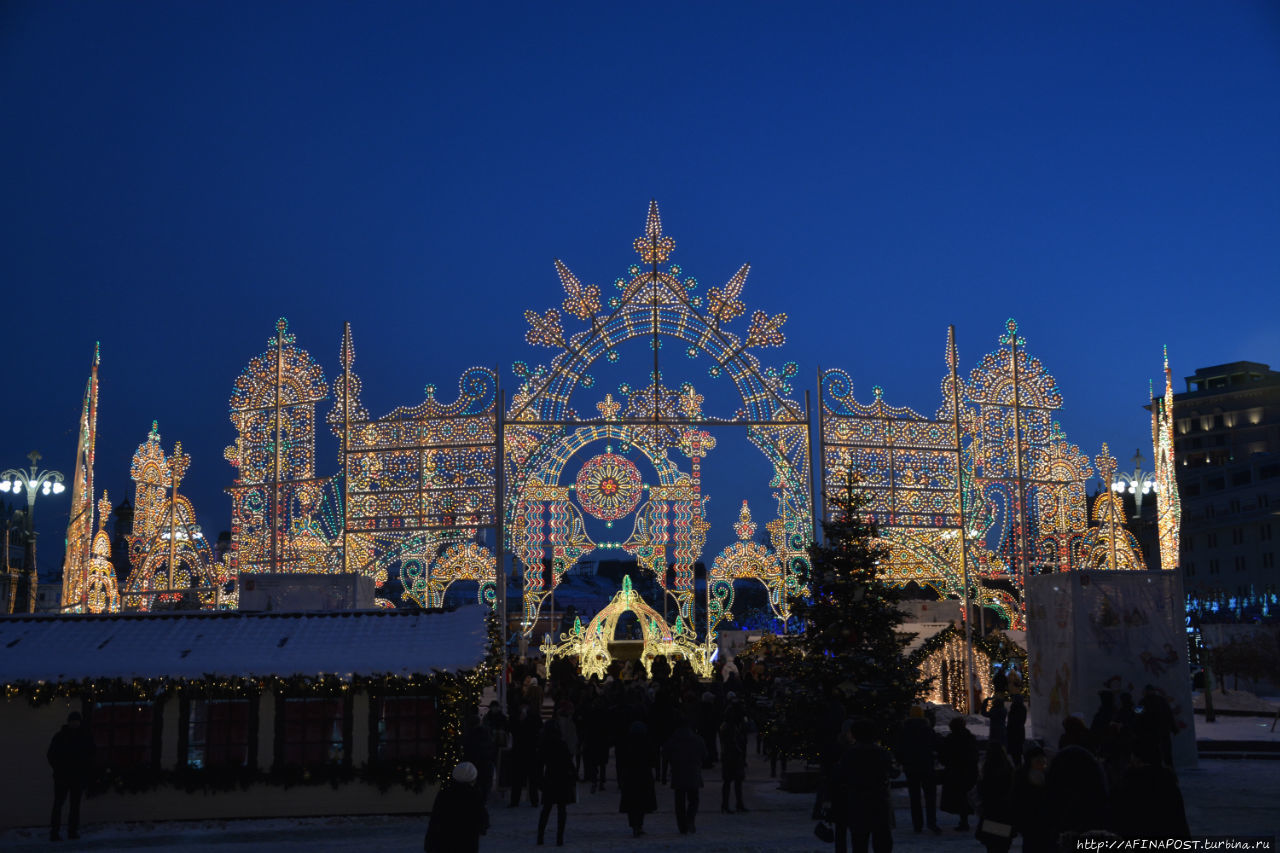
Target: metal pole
x,y
499,545
346,445
275,473
1017,444
964,527
821,512
173,516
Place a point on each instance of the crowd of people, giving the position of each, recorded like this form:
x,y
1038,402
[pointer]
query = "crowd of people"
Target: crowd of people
x,y
673,729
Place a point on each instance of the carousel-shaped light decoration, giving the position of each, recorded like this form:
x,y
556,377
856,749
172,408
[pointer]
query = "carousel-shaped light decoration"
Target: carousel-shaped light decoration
x,y
590,644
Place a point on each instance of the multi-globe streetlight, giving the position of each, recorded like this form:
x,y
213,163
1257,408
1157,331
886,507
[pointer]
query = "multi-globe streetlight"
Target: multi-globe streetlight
x,y
1138,483
33,482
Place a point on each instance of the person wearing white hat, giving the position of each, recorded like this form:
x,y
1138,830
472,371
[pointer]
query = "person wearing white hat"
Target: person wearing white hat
x,y
458,816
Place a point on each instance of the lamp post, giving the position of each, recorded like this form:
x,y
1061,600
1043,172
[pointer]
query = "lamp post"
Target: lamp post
x,y
33,482
1138,483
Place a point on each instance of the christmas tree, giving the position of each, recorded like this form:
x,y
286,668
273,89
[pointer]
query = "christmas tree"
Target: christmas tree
x,y
854,660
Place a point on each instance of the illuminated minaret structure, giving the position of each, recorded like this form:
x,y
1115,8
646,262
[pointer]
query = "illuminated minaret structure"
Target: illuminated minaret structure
x,y
1168,501
75,565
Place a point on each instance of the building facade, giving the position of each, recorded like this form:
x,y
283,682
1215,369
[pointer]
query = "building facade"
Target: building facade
x,y
1227,445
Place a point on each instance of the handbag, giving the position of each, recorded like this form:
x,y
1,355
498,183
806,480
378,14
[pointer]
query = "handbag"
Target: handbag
x,y
995,828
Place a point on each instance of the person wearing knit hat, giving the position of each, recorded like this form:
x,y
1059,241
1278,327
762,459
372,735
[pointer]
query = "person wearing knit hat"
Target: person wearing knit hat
x,y
458,815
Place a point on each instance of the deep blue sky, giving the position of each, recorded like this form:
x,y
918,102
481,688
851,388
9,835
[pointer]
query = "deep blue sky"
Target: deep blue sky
x,y
177,175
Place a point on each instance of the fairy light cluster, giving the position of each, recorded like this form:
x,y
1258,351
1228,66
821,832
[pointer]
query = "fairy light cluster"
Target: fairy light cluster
x,y
663,425
102,594
275,493
1109,545
169,555
1007,463
590,644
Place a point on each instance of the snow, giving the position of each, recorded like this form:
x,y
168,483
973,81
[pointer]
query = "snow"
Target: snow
x,y
193,645
1223,798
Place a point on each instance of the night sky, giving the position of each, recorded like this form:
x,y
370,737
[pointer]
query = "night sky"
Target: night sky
x,y
178,175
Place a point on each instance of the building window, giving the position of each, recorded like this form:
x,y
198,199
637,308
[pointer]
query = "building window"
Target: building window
x,y
1240,564
1237,536
1266,472
1264,532
404,727
1211,539
1268,560
1215,484
1242,478
220,733
1263,501
1235,504
313,732
1191,544
1192,490
1213,567
126,734
1191,569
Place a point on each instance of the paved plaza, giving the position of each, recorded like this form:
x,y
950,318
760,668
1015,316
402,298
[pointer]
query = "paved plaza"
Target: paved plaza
x,y
1223,797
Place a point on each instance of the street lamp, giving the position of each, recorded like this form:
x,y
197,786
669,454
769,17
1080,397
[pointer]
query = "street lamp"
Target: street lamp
x,y
34,482
1137,484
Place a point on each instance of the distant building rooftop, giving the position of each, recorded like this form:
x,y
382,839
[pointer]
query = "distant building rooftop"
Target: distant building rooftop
x,y
1225,377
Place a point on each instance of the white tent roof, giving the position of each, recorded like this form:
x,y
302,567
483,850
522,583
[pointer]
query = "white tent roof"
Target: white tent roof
x,y
193,645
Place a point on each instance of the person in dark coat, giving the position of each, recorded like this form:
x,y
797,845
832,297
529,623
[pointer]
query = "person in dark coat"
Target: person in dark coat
x,y
458,816
635,778
958,754
597,736
1147,802
1032,809
917,752
1155,725
70,754
1078,791
1075,733
993,709
524,753
685,752
1016,728
559,779
733,758
708,727
477,748
995,801
861,784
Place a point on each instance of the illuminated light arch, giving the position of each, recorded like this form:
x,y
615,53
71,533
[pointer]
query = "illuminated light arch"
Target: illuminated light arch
x,y
747,559
660,304
590,645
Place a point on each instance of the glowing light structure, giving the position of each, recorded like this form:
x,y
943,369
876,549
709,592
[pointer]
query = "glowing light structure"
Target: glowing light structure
x,y
75,565
747,559
171,561
590,645
663,427
276,495
1168,501
972,500
418,485
102,594
1108,544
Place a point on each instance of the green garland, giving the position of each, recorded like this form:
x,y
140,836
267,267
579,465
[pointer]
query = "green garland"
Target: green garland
x,y
997,646
459,693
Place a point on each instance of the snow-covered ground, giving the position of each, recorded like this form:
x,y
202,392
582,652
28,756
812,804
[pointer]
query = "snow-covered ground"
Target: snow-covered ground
x,y
1223,798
